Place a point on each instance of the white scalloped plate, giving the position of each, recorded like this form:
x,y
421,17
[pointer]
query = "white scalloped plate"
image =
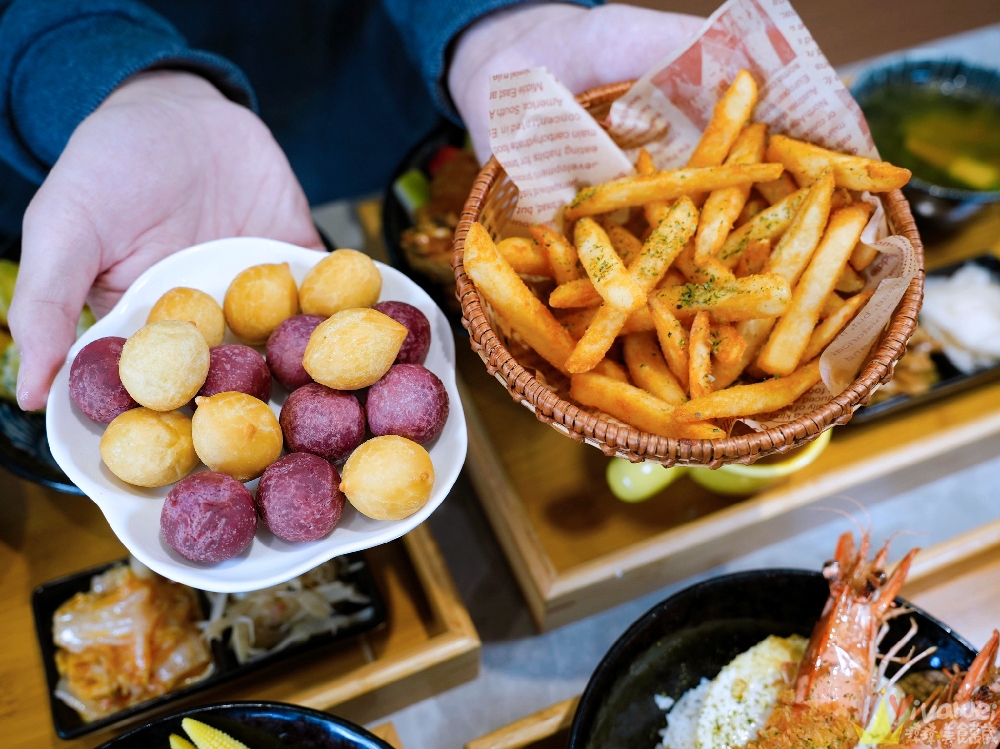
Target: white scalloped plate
x,y
134,513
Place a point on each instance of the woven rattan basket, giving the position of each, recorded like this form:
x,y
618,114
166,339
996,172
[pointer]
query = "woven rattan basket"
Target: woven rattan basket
x,y
491,203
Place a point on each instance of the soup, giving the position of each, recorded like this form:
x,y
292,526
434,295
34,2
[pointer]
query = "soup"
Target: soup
x,y
948,139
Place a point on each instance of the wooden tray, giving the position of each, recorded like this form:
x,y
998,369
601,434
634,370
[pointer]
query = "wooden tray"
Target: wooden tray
x,y
429,644
576,550
955,581
387,732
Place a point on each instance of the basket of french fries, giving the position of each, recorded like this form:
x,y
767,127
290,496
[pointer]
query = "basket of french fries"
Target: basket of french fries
x,y
731,308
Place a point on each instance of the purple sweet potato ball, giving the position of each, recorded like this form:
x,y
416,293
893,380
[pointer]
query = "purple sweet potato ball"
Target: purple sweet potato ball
x,y
299,497
287,345
418,341
94,383
233,367
322,421
409,401
208,517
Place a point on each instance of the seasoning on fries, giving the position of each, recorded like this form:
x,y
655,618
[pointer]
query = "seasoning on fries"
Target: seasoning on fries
x,y
719,314
741,400
525,256
806,162
669,185
788,341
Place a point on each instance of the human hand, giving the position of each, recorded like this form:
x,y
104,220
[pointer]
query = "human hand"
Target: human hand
x,y
582,47
165,162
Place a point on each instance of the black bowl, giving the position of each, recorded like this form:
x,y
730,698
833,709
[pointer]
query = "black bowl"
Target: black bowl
x,y
938,210
395,219
697,631
262,725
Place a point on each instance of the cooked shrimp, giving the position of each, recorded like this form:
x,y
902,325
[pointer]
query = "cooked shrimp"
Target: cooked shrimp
x,y
966,717
834,684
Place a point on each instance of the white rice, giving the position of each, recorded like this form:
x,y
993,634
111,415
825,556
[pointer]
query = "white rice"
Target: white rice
x,y
682,718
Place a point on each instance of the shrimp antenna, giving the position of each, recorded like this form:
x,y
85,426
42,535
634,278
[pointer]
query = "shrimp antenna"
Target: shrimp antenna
x,y
843,513
861,508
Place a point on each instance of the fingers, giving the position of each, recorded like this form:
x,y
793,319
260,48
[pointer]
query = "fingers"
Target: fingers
x,y
59,261
625,42
582,48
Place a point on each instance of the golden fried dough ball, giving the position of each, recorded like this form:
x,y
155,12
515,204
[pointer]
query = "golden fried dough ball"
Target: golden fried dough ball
x,y
164,364
236,434
342,280
149,448
388,478
194,306
353,349
258,299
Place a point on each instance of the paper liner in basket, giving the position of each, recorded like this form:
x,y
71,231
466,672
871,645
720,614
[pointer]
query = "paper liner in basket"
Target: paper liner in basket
x,y
550,146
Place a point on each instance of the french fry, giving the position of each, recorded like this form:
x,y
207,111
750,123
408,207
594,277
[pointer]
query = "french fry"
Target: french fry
x,y
764,295
712,271
525,256
671,278
727,345
730,114
634,406
578,293
754,259
783,350
799,241
612,369
751,208
606,270
576,322
626,244
700,430
522,310
830,328
673,338
664,186
700,356
862,256
639,321
769,224
841,198
563,259
747,400
807,162
723,207
754,333
831,305
656,210
581,292
659,250
664,244
644,162
648,369
849,281
777,189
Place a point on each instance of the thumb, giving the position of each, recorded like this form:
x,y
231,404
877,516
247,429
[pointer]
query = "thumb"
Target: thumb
x,y
60,259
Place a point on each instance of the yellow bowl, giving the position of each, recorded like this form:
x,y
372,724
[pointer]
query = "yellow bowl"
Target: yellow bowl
x,y
636,482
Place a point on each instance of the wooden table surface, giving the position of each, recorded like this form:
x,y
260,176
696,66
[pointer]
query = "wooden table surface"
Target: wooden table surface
x,y
427,645
43,535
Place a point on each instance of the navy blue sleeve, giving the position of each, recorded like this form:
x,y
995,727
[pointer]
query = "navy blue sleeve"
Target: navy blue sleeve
x,y
59,59
428,29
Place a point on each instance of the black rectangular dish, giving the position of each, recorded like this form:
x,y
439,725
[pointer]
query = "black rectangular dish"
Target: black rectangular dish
x,y
48,597
952,380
